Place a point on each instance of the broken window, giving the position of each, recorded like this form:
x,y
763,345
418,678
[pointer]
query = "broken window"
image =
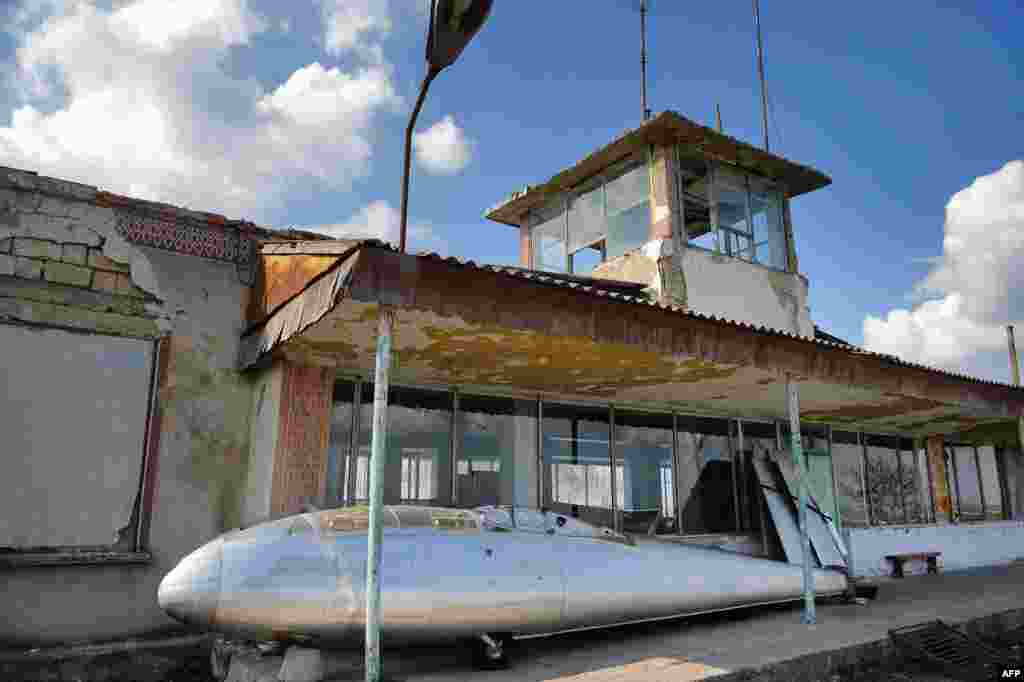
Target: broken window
x,y
759,441
882,477
706,491
730,197
73,457
913,493
731,212
694,193
577,462
643,470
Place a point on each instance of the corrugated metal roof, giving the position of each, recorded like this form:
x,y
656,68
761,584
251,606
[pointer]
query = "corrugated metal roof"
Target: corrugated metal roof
x,y
628,294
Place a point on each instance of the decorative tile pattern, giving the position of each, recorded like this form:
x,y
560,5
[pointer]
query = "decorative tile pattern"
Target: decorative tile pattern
x,y
219,243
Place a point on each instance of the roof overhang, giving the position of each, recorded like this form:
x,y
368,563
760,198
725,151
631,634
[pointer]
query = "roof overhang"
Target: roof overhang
x,y
667,128
484,328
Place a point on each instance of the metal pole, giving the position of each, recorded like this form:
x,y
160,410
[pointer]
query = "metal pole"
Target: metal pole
x,y
981,485
616,512
454,450
646,113
1014,366
431,75
760,73
735,477
793,407
378,453
378,444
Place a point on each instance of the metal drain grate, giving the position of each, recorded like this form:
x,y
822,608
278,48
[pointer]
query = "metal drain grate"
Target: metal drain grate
x,y
949,649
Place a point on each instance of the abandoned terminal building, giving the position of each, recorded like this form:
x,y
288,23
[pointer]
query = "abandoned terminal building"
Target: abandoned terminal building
x,y
172,374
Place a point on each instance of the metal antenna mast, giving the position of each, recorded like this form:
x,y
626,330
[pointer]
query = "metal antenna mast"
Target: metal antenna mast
x,y
760,72
643,60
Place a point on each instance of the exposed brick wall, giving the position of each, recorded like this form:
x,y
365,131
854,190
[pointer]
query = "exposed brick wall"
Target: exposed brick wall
x,y
67,263
300,459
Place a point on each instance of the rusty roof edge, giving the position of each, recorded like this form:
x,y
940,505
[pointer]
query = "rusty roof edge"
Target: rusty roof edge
x,y
341,259
544,279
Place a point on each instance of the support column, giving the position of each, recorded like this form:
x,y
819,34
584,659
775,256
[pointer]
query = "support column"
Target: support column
x,y
378,453
941,500
796,446
303,433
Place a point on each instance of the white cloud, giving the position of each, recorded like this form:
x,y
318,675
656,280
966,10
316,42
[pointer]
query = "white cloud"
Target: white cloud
x,y
443,147
977,283
357,25
150,111
380,220
348,24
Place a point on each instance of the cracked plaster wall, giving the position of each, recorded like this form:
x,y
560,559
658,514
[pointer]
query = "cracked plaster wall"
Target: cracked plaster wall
x,y
62,262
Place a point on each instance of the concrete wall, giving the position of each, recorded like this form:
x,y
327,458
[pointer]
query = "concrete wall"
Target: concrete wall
x,y
737,290
263,436
117,287
962,546
716,285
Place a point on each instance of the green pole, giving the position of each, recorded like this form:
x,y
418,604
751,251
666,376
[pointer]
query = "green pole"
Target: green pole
x,y
378,455
793,407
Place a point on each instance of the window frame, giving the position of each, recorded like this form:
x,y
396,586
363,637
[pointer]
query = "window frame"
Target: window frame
x,y
901,448
132,545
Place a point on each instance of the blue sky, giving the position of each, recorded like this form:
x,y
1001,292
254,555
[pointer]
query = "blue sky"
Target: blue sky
x,y
294,117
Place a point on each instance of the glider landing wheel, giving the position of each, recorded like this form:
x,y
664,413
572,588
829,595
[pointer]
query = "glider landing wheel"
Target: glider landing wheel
x,y
490,651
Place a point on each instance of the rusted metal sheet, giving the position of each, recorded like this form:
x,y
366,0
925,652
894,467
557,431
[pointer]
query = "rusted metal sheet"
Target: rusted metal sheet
x,y
298,313
462,324
938,477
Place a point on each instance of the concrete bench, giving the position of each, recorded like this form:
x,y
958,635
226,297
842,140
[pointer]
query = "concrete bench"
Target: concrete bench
x,y
898,560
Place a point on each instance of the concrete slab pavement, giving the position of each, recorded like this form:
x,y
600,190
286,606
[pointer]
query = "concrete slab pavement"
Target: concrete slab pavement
x,y
715,644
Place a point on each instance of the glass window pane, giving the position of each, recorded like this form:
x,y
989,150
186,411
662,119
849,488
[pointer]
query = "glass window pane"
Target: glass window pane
x,y
846,458
585,260
549,252
731,200
968,484
497,450
576,462
990,482
883,482
586,218
912,490
925,486
766,210
758,442
418,463
339,442
706,477
643,449
693,190
628,217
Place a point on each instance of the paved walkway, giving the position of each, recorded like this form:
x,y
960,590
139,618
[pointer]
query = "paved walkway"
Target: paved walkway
x,y
705,646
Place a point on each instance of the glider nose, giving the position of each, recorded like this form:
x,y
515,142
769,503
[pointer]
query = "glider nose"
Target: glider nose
x,y
191,591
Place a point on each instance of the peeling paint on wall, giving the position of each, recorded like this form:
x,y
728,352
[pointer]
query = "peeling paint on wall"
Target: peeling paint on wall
x,y
213,405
